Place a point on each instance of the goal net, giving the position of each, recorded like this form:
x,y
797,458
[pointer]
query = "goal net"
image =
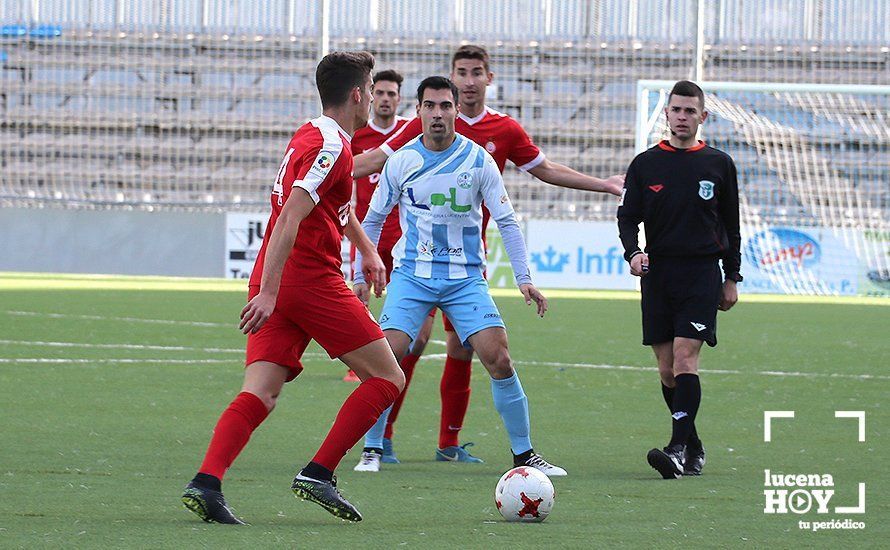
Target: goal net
x,y
814,179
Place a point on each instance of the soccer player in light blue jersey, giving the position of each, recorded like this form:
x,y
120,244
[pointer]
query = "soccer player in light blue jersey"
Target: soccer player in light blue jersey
x,y
439,181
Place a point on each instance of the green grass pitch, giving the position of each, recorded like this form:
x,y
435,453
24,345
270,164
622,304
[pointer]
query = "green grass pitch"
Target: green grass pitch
x,y
111,386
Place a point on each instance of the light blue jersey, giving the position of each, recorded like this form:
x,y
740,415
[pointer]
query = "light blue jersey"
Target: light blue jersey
x,y
440,197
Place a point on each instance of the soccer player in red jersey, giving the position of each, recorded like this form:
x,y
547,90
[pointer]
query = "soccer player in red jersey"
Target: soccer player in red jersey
x,y
505,139
297,294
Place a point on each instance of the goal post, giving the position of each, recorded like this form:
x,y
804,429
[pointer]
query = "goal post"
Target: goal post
x,y
814,179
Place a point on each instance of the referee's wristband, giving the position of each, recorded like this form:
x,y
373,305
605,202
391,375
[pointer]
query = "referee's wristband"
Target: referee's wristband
x,y
635,253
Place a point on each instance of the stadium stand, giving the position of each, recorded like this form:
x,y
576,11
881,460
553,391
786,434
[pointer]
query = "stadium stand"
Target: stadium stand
x,y
109,113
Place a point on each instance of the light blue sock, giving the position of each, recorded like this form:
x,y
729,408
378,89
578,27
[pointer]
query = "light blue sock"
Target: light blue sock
x,y
374,437
511,403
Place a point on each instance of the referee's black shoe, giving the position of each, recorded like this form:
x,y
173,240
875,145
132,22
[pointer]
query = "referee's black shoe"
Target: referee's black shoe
x,y
209,505
695,461
668,461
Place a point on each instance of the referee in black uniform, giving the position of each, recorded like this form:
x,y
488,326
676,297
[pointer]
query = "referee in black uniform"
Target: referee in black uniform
x,y
686,194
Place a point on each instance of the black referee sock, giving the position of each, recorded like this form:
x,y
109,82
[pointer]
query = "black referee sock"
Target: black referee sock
x,y
687,397
668,394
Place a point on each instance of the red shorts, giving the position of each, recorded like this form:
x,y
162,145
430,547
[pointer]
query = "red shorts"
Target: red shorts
x,y
328,313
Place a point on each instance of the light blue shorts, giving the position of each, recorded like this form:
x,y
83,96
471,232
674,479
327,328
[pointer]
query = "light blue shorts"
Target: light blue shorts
x,y
466,302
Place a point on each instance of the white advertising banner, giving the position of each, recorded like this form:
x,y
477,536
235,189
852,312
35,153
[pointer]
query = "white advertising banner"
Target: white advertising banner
x,y
244,237
584,255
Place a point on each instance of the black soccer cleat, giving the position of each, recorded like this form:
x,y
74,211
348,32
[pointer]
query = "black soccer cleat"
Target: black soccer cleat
x,y
209,505
695,461
326,495
668,461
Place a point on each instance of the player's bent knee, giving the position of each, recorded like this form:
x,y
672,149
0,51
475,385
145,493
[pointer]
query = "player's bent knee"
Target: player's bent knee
x,y
397,379
499,364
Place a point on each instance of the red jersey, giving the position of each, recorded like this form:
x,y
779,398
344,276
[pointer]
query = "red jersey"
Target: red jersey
x,y
365,139
319,160
500,134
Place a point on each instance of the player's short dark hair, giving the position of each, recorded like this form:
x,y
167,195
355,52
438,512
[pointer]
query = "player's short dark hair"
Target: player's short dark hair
x,y
338,73
437,83
686,88
469,51
389,75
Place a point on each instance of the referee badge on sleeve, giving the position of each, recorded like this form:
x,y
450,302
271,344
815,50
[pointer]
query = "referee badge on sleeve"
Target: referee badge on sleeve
x,y
706,189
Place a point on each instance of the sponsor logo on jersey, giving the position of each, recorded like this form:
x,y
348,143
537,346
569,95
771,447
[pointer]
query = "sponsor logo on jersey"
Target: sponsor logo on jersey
x,y
464,180
430,250
504,199
656,188
490,146
706,189
621,200
323,163
440,199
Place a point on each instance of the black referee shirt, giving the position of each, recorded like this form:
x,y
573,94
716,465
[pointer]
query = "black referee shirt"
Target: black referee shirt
x,y
688,201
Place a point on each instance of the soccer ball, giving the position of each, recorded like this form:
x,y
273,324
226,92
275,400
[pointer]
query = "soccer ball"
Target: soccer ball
x,y
524,494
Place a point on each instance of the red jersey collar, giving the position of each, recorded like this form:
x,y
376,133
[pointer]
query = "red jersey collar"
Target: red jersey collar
x,y
475,119
666,145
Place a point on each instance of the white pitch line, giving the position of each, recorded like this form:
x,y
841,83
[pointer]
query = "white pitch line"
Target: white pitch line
x,y
118,346
125,319
431,356
707,371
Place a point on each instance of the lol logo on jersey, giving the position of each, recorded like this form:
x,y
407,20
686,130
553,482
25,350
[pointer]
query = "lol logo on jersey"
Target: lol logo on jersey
x,y
803,493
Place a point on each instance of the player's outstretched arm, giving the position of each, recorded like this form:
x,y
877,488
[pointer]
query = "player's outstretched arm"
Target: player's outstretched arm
x,y
563,176
257,311
368,261
365,164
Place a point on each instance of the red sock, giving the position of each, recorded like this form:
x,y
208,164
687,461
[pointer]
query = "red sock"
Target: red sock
x,y
359,412
408,364
455,392
231,433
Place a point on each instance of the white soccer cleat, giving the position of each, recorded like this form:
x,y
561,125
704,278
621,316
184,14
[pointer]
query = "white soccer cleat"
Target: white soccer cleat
x,y
370,462
537,462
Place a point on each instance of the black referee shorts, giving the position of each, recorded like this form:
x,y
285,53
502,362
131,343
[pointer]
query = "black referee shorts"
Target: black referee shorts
x,y
680,298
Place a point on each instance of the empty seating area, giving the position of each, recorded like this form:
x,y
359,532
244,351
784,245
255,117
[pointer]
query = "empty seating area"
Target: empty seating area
x,y
94,118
